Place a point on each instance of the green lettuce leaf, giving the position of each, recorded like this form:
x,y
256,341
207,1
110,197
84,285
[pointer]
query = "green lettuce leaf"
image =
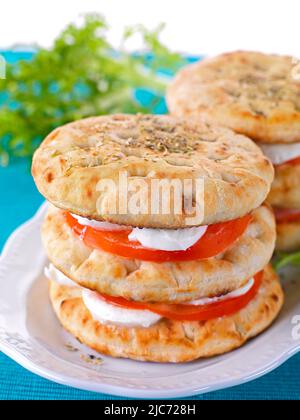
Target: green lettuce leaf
x,y
80,76
282,260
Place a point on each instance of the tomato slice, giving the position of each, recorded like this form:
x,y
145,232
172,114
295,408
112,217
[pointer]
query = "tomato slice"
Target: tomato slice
x,y
293,162
287,215
183,312
217,239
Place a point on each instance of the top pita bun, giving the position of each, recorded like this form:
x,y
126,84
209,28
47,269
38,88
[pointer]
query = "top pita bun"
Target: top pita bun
x,y
254,94
74,158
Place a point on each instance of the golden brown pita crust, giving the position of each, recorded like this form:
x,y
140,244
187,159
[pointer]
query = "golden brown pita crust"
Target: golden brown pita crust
x,y
73,159
169,341
146,281
285,191
252,93
288,237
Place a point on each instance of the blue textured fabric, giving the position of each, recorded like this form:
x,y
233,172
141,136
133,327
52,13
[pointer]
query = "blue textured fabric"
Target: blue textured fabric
x,y
19,200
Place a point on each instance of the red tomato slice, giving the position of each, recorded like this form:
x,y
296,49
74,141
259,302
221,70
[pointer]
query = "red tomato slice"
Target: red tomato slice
x,y
287,215
183,312
217,239
293,162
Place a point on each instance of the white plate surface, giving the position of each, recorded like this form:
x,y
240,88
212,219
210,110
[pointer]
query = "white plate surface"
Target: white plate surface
x,y
31,335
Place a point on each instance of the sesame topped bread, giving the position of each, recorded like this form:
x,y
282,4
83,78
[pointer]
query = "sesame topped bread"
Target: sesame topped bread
x,y
254,94
72,160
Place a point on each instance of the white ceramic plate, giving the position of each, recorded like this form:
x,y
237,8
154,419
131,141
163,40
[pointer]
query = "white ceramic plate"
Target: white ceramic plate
x,y
31,335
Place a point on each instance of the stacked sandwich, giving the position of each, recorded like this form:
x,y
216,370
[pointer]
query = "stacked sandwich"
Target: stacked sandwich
x,y
257,95
149,285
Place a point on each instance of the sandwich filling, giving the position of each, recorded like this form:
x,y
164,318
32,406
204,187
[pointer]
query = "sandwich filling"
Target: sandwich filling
x,y
280,154
287,215
160,239
159,245
120,311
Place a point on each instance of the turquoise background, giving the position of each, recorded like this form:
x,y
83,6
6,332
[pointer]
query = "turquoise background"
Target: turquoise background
x,y
19,200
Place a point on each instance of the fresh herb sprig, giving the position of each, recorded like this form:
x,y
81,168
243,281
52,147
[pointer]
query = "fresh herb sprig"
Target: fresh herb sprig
x,y
80,76
282,260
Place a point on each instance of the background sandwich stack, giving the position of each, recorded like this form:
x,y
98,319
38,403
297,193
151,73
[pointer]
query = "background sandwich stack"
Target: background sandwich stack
x,y
145,285
257,95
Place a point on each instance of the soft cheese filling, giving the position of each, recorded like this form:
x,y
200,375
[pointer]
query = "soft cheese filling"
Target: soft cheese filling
x,y
98,225
281,153
160,239
236,293
106,312
102,311
168,239
52,273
